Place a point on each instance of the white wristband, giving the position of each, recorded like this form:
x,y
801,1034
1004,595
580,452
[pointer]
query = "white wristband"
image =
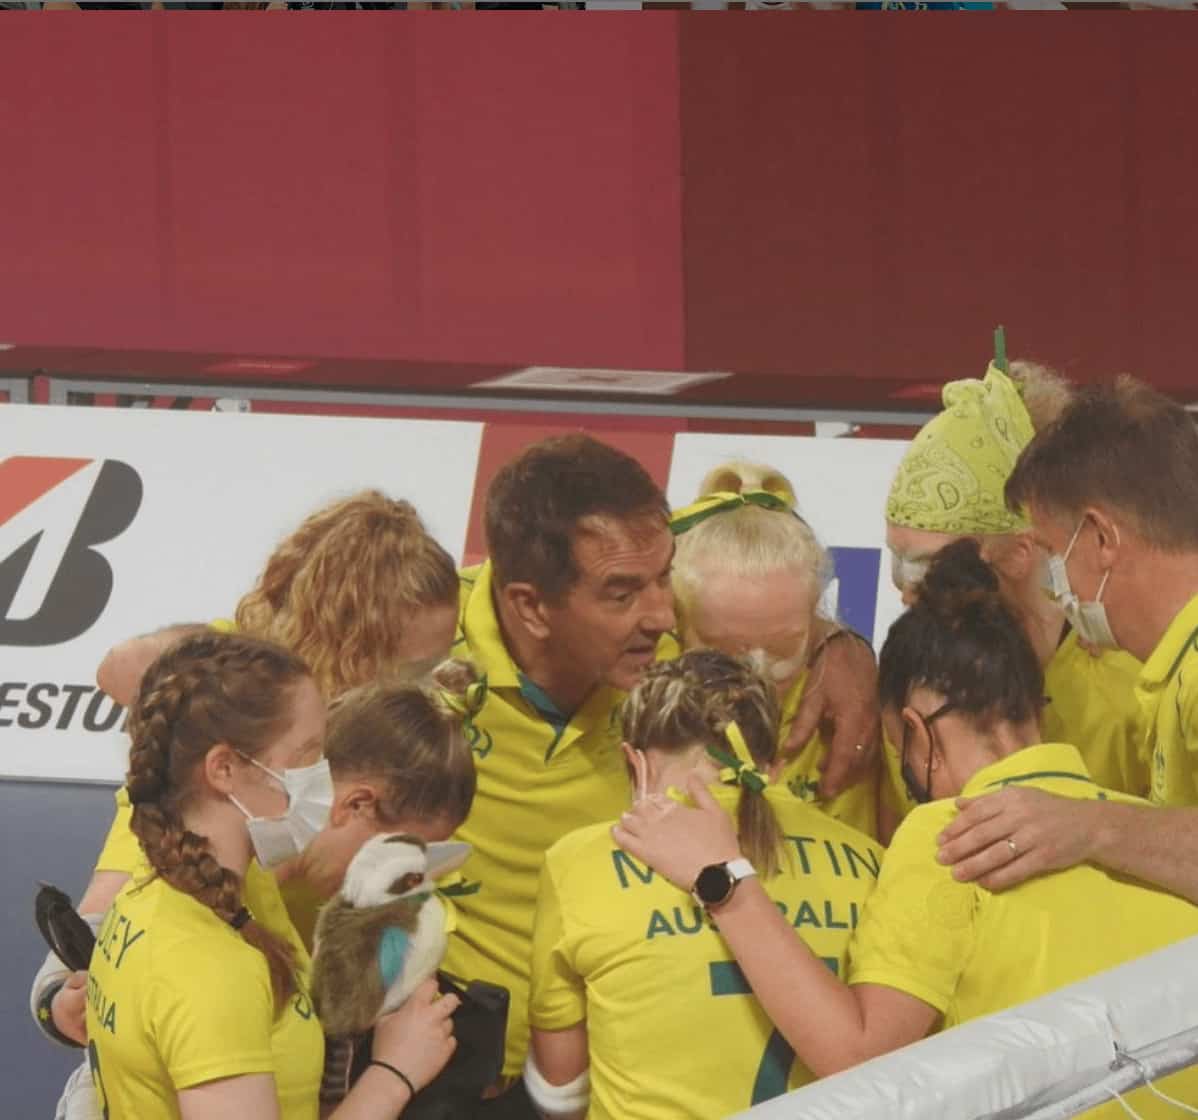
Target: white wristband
x,y
557,1102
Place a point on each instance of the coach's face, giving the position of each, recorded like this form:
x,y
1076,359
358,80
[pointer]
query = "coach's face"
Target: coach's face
x,y
608,623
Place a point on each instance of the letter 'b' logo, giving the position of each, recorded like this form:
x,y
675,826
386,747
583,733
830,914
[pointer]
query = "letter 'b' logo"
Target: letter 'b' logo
x,y
54,585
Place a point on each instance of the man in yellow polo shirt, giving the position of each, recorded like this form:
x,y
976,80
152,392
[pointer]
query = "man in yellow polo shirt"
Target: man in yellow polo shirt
x,y
1112,491
562,619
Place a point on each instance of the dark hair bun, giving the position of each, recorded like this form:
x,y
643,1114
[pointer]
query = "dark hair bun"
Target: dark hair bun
x,y
957,579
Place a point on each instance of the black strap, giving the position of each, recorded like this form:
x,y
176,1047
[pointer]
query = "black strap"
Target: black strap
x,y
398,1073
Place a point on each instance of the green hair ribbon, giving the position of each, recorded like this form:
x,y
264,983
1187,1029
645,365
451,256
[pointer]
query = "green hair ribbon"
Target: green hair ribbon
x,y
738,768
468,704
697,512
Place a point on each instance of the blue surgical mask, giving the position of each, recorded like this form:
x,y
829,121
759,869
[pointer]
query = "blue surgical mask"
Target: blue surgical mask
x,y
1088,618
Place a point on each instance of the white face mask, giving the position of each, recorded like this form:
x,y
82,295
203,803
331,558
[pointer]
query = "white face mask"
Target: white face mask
x,y
309,800
907,571
1089,619
777,669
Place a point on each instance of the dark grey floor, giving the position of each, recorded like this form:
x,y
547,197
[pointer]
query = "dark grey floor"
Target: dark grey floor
x,y
50,831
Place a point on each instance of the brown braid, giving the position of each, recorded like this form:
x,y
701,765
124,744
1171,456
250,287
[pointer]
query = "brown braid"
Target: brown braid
x,y
206,689
690,701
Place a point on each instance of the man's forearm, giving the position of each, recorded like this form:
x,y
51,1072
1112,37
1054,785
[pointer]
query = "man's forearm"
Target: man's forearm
x,y
1159,846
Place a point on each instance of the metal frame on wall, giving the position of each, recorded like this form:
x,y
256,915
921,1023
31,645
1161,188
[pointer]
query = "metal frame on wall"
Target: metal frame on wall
x,y
61,389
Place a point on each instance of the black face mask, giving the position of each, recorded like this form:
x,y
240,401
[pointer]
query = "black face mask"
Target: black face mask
x,y
920,794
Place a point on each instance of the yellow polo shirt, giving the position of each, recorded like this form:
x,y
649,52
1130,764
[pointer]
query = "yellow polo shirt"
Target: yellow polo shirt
x,y
176,998
1168,695
967,952
672,1026
541,775
857,806
1092,703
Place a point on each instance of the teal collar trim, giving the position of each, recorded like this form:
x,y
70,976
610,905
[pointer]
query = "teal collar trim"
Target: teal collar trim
x,y
546,709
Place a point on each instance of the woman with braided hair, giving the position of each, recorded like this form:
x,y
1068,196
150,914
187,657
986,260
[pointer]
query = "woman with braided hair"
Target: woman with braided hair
x,y
961,690
361,592
638,1011
197,1004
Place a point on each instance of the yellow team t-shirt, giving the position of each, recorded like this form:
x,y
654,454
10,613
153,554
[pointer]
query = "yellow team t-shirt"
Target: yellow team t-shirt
x,y
673,1028
1092,702
177,998
541,774
967,952
1167,692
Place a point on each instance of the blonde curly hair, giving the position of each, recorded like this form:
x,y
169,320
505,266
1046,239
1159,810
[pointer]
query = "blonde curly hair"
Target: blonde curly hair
x,y
340,591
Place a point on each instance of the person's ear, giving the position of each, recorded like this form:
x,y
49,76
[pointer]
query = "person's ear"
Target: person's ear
x,y
220,766
915,731
1012,557
1107,536
528,605
638,764
357,800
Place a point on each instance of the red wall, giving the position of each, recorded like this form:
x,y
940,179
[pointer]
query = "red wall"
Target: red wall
x,y
364,184
872,194
804,194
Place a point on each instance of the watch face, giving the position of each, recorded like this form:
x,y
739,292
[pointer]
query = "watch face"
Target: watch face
x,y
714,884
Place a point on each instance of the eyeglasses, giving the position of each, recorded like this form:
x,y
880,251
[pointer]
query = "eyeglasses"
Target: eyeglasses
x,y
920,794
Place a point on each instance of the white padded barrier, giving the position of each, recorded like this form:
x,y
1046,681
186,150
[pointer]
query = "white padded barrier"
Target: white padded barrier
x,y
1049,1058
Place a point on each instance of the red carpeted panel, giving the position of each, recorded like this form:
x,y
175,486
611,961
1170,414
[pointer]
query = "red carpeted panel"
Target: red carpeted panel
x,y
419,185
869,194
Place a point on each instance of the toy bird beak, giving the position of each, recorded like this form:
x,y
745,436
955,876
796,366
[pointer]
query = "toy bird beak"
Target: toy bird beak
x,y
443,857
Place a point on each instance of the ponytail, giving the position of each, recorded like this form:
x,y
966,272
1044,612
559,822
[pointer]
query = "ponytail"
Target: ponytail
x,y
420,740
706,697
206,689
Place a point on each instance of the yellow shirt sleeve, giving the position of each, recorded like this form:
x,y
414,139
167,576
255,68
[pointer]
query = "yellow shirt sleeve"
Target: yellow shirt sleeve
x,y
917,932
557,998
212,1016
121,851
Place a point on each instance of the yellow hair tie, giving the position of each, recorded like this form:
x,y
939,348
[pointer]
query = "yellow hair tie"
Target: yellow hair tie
x,y
738,768
711,504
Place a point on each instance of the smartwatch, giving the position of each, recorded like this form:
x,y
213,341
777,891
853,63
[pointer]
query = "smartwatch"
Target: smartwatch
x,y
717,881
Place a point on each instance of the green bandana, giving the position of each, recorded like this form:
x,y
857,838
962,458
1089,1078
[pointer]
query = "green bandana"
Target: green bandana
x,y
952,477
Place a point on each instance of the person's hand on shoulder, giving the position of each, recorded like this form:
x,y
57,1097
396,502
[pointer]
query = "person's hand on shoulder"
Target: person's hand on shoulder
x,y
1003,839
675,841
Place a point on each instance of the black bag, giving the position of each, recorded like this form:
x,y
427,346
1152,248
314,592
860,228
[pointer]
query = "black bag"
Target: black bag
x,y
479,1025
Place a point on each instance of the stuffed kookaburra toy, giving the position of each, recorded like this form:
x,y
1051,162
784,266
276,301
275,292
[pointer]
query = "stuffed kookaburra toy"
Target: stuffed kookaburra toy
x,y
383,933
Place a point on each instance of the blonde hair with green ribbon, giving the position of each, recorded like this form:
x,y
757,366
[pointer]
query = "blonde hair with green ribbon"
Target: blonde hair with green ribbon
x,y
744,523
707,701
952,477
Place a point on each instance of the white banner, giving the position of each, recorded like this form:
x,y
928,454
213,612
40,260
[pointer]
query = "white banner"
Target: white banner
x,y
841,486
116,522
